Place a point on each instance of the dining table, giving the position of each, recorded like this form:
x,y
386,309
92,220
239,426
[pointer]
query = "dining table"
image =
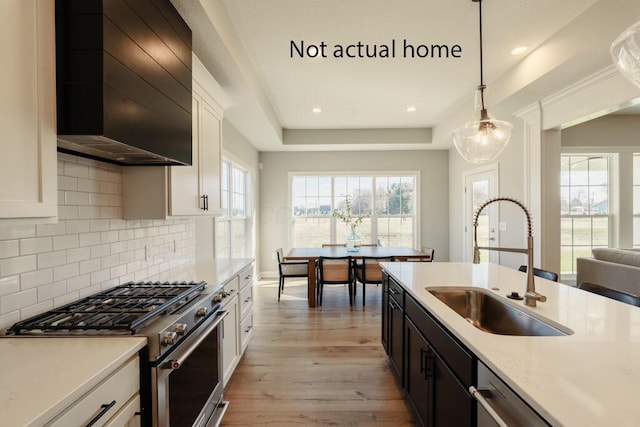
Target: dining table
x,y
312,254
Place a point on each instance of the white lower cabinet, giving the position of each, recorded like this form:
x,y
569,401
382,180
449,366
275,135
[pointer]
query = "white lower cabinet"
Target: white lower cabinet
x,y
238,325
114,402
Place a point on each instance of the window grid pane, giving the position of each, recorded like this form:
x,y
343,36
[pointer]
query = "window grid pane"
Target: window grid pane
x,y
585,211
394,197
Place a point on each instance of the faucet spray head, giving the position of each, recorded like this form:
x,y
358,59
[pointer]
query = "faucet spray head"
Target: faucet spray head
x,y
476,255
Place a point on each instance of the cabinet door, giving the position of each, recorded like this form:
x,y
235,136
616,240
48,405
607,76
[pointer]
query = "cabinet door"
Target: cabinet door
x,y
27,112
385,313
418,368
230,352
184,197
452,405
210,157
396,321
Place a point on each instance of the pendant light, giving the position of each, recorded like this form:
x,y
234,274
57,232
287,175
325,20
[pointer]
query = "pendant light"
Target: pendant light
x,y
625,51
483,138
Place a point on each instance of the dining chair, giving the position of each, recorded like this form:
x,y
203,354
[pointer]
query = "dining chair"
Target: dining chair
x,y
549,275
369,272
287,269
334,271
610,293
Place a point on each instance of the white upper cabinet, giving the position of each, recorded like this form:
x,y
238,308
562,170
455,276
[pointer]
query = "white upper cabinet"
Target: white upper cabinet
x,y
28,164
164,191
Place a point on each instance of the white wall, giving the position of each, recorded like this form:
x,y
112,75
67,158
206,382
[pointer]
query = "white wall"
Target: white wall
x,y
274,213
90,249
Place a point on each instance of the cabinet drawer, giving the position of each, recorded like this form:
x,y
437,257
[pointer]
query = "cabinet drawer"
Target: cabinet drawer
x,y
246,331
396,291
457,357
126,417
119,388
233,286
246,300
246,277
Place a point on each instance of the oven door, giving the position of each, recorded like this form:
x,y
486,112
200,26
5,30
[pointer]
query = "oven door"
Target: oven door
x,y
186,384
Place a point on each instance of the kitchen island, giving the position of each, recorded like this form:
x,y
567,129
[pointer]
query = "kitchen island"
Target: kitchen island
x,y
587,378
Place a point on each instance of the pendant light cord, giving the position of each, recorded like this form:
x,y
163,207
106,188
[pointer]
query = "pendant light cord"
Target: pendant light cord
x,y
481,72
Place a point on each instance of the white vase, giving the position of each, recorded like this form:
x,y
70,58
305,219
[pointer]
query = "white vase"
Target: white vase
x,y
352,240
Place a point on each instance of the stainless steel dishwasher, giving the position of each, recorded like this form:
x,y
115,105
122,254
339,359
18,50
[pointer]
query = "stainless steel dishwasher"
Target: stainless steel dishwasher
x,y
499,406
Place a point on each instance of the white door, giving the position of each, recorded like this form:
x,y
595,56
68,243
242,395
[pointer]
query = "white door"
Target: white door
x,y
479,186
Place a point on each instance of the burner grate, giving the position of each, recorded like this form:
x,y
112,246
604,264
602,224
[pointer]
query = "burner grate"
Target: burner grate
x,y
124,309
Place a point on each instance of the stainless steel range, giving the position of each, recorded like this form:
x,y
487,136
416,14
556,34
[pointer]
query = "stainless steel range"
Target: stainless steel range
x,y
181,379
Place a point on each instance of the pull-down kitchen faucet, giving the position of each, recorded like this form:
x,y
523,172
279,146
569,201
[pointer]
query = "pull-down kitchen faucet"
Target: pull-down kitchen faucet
x,y
531,296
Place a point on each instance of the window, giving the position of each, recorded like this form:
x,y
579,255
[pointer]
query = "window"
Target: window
x,y
387,202
585,211
233,227
636,200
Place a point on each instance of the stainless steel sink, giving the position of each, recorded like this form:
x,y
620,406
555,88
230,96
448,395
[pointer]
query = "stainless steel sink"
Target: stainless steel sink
x,y
488,313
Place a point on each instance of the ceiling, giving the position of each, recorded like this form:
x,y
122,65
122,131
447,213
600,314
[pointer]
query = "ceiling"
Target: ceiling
x,y
248,47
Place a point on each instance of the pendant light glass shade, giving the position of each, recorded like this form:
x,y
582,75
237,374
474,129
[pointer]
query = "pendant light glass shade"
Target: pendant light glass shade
x,y
482,139
625,51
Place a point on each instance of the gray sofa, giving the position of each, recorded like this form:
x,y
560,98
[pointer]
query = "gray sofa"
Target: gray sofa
x,y
614,268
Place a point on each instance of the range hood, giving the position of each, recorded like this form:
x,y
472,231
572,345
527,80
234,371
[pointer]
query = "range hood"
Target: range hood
x,y
123,81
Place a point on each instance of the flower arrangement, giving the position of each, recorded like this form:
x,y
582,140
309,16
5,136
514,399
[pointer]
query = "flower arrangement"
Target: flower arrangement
x,y
348,216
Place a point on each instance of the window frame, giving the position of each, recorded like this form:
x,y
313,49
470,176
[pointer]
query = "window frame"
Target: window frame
x,y
611,214
228,218
333,222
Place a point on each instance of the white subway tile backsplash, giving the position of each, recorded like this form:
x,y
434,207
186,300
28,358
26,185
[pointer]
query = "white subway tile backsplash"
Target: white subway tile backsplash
x,y
78,282
68,241
33,279
17,265
52,290
99,225
91,265
18,300
78,254
76,198
36,245
90,249
51,229
66,213
74,169
17,231
65,271
52,259
9,285
88,212
9,248
100,276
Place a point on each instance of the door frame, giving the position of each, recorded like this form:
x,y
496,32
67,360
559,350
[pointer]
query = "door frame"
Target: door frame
x,y
467,210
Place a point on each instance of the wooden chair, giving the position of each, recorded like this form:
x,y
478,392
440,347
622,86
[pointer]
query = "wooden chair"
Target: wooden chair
x,y
549,275
334,271
610,293
368,271
288,269
427,257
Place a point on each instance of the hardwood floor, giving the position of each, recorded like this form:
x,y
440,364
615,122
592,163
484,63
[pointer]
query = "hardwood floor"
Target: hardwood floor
x,y
315,367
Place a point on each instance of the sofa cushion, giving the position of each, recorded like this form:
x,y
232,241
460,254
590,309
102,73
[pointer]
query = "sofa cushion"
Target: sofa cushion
x,y
619,256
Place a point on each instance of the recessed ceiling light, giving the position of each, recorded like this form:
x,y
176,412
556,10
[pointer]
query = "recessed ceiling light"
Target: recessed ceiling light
x,y
317,110
411,109
518,50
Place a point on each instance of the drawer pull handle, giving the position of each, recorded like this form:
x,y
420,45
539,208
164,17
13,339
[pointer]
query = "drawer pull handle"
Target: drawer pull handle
x,y
393,291
248,299
487,406
246,331
103,410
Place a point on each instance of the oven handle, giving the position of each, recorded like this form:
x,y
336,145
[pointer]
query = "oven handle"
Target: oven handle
x,y
176,364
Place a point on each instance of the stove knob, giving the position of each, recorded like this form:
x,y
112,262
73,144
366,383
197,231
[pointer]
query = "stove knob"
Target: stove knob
x,y
218,297
180,328
169,338
201,312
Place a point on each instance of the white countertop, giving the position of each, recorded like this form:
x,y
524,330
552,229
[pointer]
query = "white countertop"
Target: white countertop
x,y
589,378
214,272
40,377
